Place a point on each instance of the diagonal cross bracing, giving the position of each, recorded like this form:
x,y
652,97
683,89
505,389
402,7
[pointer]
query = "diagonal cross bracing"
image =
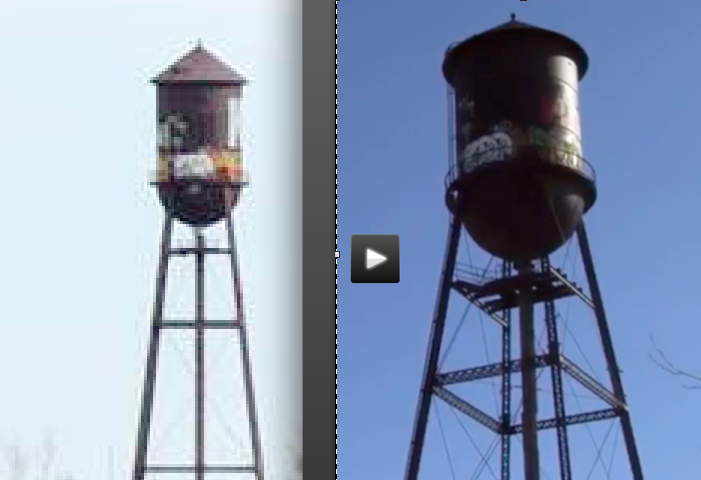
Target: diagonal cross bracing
x,y
467,408
574,288
590,383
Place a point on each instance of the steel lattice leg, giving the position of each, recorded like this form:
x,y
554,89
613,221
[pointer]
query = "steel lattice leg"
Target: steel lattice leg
x,y
607,344
245,355
152,356
434,348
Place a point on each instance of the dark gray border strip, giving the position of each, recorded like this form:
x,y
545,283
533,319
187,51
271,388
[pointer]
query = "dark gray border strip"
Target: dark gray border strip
x,y
318,90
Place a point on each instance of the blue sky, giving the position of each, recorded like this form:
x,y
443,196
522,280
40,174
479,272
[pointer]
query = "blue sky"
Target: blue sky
x,y
639,127
82,226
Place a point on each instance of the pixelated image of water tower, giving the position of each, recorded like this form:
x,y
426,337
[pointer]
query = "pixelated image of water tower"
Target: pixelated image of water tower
x,y
200,171
519,183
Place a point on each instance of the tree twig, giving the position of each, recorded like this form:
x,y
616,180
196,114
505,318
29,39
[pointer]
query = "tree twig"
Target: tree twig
x,y
666,364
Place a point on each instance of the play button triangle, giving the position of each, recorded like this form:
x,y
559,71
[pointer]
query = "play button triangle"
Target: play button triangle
x,y
373,259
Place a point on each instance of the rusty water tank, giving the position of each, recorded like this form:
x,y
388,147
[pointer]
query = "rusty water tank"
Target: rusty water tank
x,y
200,171
520,183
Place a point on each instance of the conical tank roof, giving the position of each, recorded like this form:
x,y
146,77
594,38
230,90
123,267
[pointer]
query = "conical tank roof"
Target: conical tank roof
x,y
199,66
514,27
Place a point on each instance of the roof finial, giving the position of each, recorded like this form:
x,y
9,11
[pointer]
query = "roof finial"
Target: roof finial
x,y
513,16
199,44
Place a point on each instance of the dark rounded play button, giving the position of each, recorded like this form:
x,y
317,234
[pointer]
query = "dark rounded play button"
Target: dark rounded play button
x,y
375,258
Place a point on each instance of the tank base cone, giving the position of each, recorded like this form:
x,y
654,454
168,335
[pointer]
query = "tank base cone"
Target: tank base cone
x,y
518,213
197,203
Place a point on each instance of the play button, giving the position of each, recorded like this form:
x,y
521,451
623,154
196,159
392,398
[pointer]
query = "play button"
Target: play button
x,y
375,259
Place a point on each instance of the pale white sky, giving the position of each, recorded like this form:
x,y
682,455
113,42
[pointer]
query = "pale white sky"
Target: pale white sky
x,y
82,227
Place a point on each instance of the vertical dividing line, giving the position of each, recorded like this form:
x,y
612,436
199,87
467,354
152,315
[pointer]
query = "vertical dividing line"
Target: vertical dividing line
x,y
607,344
529,415
152,355
245,356
433,352
199,357
506,385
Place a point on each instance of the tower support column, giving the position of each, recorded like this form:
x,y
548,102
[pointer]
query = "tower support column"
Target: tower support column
x,y
245,354
609,353
199,326
434,348
529,416
535,282
199,356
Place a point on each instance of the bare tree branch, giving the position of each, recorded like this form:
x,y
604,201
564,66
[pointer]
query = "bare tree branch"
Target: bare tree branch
x,y
661,360
21,466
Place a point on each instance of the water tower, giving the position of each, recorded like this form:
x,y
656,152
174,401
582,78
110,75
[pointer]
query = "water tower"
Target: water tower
x,y
519,186
199,178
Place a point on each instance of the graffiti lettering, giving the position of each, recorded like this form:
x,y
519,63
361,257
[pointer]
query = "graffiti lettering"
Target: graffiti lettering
x,y
466,108
193,165
496,147
559,150
171,132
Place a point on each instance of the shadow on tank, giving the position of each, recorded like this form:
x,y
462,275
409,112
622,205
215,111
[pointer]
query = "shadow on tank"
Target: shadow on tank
x,y
198,203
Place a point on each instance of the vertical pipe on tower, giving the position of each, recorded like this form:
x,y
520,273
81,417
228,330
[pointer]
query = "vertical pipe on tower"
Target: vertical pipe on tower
x,y
506,383
199,358
529,416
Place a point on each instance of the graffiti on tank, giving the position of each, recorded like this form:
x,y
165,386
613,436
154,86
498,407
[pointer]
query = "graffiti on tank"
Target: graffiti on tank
x,y
505,126
559,108
207,164
495,147
571,119
556,148
172,130
193,165
518,135
466,112
467,105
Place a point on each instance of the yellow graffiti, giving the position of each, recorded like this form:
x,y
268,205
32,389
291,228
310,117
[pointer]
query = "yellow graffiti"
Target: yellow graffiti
x,y
228,166
560,150
163,170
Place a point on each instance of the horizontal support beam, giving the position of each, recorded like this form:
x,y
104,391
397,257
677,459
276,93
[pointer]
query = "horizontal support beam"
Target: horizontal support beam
x,y
200,181
594,416
207,469
537,296
590,383
574,288
217,324
498,427
510,285
468,409
486,371
193,250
